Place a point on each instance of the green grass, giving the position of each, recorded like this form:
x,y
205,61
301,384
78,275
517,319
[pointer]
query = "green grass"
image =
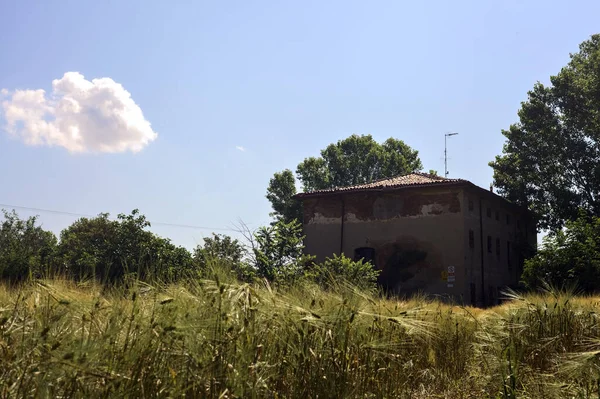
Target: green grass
x,y
222,339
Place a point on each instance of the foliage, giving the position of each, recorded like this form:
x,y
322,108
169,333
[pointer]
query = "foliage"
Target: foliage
x,y
25,249
342,269
167,261
226,251
282,188
86,247
354,160
568,257
216,339
278,252
550,158
109,249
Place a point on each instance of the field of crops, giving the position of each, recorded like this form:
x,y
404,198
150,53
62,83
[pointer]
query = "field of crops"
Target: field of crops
x,y
223,339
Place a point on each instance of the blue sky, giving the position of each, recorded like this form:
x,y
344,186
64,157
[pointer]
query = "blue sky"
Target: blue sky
x,y
280,79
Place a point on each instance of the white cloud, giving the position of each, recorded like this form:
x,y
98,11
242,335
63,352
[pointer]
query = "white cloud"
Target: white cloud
x,y
240,148
79,115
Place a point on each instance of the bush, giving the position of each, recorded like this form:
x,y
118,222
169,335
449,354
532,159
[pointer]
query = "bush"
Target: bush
x,y
222,250
332,270
25,249
279,252
109,249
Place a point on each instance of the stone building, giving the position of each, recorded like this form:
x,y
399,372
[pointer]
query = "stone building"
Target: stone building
x,y
425,233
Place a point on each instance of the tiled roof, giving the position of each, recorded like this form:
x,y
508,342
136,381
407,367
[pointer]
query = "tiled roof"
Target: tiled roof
x,y
409,180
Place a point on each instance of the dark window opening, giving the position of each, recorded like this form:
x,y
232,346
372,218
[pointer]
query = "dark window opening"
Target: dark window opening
x,y
507,219
471,239
497,215
508,255
489,244
489,212
470,205
518,224
473,294
366,254
498,248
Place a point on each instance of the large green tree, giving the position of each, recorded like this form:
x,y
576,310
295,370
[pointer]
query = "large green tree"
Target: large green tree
x,y
551,158
354,160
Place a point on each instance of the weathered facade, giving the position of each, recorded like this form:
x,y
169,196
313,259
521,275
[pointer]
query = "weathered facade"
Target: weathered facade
x,y
425,233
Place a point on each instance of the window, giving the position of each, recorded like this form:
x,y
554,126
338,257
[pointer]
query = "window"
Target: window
x,y
497,215
470,205
489,212
498,248
507,219
473,294
471,239
508,255
489,244
518,224
366,254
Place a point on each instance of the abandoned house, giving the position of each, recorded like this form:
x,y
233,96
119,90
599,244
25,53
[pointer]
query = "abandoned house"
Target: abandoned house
x,y
425,233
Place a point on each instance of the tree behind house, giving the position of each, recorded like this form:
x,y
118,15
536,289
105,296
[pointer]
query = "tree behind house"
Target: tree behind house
x,y
354,160
550,161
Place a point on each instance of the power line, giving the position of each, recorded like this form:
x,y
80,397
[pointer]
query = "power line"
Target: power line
x,y
188,226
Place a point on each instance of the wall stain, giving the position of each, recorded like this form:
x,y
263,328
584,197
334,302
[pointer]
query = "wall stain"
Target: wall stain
x,y
398,264
381,206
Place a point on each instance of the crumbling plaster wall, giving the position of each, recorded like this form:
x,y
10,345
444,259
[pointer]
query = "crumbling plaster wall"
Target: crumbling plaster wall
x,y
416,233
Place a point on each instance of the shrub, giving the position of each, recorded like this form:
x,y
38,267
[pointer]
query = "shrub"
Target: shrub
x,y
279,252
25,249
222,250
110,249
359,273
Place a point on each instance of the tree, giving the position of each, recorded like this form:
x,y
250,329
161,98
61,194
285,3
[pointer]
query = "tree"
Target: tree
x,y
282,187
278,252
354,160
25,248
87,246
551,158
223,250
568,257
109,249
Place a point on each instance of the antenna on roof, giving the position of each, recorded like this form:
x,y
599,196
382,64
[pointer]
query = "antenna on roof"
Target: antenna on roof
x,y
446,152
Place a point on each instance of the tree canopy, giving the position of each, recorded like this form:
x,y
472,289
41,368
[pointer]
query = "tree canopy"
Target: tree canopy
x,y
551,159
568,257
25,248
355,160
109,249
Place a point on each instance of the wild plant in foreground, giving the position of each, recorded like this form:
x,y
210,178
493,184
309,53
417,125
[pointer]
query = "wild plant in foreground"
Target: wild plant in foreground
x,y
220,338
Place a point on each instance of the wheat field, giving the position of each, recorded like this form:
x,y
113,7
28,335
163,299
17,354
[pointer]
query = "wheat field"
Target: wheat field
x,y
219,338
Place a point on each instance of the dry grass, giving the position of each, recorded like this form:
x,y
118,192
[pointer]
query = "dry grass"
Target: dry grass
x,y
219,338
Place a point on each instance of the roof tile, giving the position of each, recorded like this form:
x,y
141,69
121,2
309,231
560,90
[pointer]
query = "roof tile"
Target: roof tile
x,y
412,179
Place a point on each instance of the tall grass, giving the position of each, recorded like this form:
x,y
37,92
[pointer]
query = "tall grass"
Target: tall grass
x,y
219,338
